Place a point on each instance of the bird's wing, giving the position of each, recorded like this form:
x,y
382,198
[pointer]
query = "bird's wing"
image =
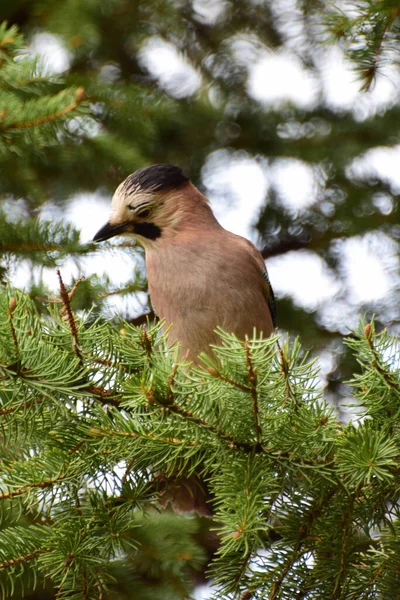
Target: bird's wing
x,y
267,287
270,296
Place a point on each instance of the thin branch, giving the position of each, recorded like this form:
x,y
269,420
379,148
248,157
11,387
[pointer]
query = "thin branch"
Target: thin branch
x,y
11,307
101,431
28,486
104,396
72,292
227,379
175,408
254,395
24,558
71,320
377,361
371,71
284,364
242,568
312,514
11,409
127,470
79,97
346,527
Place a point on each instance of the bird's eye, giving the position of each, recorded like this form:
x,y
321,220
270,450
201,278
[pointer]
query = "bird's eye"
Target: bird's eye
x,y
143,213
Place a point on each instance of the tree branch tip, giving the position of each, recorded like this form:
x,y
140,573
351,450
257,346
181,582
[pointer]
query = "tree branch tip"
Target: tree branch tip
x,y
12,305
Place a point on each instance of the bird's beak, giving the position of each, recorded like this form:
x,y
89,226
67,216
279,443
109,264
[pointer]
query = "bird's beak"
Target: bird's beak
x,y
109,231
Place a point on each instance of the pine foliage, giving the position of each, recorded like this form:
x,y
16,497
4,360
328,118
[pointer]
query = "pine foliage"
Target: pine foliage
x,y
98,417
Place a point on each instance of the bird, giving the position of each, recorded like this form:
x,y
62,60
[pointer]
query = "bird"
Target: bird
x,y
200,276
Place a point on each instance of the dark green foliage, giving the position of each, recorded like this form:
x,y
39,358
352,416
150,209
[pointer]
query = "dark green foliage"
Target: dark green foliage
x,y
96,418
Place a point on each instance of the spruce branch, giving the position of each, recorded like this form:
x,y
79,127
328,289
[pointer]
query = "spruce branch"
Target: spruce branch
x,y
13,562
254,396
80,96
311,515
170,405
214,373
284,364
66,298
11,309
376,363
104,431
46,483
347,526
12,409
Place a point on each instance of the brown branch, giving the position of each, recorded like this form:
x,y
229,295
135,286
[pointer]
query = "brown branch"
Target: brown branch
x,y
27,404
104,396
24,558
284,364
101,431
368,330
72,292
227,379
11,307
71,320
254,395
79,97
25,488
175,408
312,514
346,527
127,470
242,568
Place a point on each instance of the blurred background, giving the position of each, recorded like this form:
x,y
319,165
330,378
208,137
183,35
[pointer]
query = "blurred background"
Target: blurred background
x,y
284,112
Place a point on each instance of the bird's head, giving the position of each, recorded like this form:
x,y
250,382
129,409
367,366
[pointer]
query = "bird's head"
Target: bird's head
x,y
146,204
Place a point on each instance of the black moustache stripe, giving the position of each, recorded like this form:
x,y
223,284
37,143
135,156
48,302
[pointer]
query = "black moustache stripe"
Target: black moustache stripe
x,y
147,230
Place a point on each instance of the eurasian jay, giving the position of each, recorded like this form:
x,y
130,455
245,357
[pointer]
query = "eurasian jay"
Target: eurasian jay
x,y
200,275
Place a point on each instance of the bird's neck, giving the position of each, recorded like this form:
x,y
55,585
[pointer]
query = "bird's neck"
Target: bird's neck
x,y
188,210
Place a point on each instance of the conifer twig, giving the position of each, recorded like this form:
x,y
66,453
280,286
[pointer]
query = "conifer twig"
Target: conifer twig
x,y
11,409
240,386
71,320
254,395
377,360
172,406
12,562
284,364
28,486
11,307
346,525
79,97
311,515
